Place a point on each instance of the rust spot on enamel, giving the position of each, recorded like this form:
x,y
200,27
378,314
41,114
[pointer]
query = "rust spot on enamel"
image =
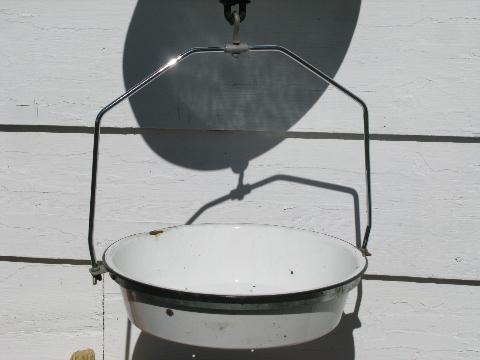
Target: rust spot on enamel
x,y
156,232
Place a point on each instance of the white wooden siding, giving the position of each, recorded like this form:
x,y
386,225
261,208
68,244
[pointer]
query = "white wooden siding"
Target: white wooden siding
x,y
48,311
414,62
426,197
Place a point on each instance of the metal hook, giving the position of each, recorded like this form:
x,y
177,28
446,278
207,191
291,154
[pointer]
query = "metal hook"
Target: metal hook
x,y
236,47
227,9
236,28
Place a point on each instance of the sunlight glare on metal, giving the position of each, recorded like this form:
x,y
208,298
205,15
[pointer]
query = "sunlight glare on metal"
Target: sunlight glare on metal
x,y
172,62
169,64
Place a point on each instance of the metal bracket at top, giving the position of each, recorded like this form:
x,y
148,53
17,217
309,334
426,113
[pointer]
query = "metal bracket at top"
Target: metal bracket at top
x,y
229,14
236,49
97,272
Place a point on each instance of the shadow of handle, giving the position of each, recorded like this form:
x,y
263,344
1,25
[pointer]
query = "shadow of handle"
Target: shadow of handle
x,y
243,190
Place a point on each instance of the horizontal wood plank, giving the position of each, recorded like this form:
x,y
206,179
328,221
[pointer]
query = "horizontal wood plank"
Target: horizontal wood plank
x,y
425,196
48,311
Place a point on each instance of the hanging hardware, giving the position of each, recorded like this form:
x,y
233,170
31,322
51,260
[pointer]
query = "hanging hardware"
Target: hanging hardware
x,y
97,272
236,47
236,28
229,13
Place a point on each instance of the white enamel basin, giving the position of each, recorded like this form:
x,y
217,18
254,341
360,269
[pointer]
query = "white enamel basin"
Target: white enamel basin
x,y
234,286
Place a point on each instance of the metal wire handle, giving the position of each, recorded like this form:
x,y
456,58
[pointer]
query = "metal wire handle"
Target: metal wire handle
x,y
97,269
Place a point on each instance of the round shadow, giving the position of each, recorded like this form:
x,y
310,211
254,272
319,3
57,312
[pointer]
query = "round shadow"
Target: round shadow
x,y
261,91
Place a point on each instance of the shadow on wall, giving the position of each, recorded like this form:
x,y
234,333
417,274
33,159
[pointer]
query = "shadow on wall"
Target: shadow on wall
x,y
253,92
243,190
337,345
262,91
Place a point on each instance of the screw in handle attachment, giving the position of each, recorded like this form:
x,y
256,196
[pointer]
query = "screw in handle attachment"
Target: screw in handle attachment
x,y
97,272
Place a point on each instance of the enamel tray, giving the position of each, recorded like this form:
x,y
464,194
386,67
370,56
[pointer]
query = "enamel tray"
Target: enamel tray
x,y
234,286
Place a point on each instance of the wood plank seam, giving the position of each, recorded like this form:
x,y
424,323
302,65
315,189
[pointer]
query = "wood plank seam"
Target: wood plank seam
x,y
378,277
67,129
